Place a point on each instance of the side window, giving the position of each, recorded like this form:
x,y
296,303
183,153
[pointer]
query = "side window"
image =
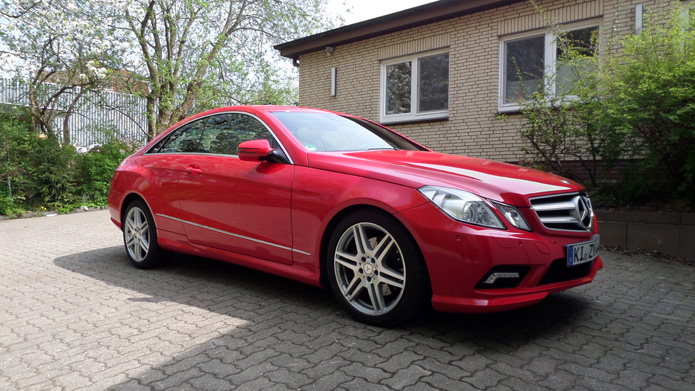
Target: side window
x,y
217,134
227,131
185,139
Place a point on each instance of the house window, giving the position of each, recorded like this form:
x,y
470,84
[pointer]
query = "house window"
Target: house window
x,y
534,62
524,66
415,88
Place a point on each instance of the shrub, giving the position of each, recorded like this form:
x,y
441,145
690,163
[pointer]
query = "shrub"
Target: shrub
x,y
633,103
97,167
650,92
43,174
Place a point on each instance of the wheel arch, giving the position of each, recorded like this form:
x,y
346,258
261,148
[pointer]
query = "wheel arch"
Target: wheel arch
x,y
337,218
127,200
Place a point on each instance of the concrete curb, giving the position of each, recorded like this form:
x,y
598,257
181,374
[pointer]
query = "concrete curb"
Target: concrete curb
x,y
49,213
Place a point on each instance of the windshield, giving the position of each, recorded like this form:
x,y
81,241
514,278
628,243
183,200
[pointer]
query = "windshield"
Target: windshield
x,y
328,132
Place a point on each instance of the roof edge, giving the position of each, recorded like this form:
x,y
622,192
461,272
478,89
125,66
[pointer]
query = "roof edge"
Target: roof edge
x,y
412,17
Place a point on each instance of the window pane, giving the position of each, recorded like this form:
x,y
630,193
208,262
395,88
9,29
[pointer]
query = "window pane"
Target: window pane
x,y
324,132
227,131
433,83
398,86
185,139
574,51
524,66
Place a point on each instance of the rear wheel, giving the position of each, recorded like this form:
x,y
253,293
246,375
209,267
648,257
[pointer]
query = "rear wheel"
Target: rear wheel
x,y
376,270
140,237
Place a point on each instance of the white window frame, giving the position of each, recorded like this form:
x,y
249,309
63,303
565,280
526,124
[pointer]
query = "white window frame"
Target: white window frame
x,y
414,93
549,60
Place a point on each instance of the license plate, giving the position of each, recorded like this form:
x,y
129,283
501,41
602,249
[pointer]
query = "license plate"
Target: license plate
x,y
579,253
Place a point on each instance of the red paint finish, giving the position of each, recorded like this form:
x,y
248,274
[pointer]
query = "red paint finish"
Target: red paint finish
x,y
276,216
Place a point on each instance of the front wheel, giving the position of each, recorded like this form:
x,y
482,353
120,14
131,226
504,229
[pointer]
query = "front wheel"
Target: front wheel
x,y
140,237
376,270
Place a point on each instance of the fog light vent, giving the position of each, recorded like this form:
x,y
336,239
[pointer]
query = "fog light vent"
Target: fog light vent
x,y
505,276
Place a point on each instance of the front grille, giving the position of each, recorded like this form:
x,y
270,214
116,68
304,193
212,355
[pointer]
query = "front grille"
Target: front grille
x,y
567,212
560,272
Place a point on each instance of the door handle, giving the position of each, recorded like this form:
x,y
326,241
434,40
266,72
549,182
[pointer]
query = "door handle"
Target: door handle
x,y
194,170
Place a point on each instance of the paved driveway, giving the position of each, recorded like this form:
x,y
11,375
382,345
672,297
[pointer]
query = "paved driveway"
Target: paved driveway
x,y
75,315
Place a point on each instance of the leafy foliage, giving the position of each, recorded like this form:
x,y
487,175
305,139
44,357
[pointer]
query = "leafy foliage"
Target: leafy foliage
x,y
96,168
634,102
650,95
182,56
58,54
43,174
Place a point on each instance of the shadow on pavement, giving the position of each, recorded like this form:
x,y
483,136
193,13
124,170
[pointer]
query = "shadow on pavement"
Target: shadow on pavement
x,y
301,323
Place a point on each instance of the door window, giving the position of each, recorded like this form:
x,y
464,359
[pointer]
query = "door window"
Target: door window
x,y
218,134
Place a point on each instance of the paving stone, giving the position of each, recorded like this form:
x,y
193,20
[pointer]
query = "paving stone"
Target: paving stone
x,y
76,315
406,377
332,381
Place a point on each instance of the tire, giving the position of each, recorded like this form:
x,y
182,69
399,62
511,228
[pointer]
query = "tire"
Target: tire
x,y
376,270
140,237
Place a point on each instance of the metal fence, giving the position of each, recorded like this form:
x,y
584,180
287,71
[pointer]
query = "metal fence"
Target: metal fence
x,y
98,115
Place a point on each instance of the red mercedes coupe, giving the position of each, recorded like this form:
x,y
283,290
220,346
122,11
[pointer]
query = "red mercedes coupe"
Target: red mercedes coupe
x,y
330,199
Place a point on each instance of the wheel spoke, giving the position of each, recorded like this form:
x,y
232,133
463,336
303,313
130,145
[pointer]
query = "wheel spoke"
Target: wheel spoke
x,y
383,248
144,245
137,218
130,241
348,260
354,289
143,228
361,240
130,225
137,254
391,277
376,296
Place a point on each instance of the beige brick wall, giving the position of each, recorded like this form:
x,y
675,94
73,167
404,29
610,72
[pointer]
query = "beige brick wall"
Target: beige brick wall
x,y
474,54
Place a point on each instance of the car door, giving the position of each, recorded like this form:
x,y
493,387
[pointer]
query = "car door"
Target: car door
x,y
165,162
236,205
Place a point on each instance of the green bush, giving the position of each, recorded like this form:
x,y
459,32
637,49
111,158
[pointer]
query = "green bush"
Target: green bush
x,y
42,174
97,167
635,101
650,95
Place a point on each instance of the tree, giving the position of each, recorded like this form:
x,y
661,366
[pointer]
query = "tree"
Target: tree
x,y
192,54
650,95
57,54
184,46
634,101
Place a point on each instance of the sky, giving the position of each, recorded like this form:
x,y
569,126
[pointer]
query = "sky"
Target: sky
x,y
361,10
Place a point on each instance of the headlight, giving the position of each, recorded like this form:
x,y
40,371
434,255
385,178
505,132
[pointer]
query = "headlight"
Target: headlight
x,y
512,215
463,206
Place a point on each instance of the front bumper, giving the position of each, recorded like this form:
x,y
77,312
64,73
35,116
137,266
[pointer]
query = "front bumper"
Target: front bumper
x,y
459,256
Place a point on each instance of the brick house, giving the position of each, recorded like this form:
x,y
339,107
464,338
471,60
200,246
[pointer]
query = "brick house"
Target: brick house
x,y
439,73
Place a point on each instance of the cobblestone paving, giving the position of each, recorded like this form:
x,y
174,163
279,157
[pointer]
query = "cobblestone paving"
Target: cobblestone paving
x,y
75,315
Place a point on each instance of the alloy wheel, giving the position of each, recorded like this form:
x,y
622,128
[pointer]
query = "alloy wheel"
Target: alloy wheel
x,y
137,234
369,269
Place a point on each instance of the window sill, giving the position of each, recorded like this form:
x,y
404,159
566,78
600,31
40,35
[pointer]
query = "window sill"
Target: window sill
x,y
414,120
510,109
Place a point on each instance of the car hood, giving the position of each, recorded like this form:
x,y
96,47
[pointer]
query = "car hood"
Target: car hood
x,y
503,182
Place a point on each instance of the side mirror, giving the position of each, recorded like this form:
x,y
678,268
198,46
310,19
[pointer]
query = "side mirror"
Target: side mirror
x,y
254,150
